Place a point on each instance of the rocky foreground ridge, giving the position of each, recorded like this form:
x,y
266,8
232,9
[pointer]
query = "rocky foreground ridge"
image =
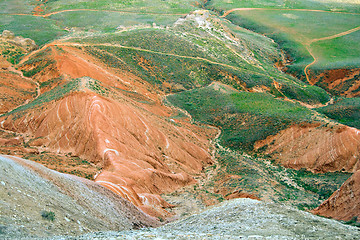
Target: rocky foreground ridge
x,y
242,219
80,206
30,194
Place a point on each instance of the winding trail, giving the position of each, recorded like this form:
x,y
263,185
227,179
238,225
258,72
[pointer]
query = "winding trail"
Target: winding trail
x,y
308,47
308,44
92,10
137,49
283,9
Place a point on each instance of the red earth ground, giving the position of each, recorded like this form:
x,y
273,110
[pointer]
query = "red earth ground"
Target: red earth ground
x,y
142,146
142,150
316,147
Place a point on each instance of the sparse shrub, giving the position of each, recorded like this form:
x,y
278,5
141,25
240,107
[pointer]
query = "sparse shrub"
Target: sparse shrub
x,y
353,222
48,215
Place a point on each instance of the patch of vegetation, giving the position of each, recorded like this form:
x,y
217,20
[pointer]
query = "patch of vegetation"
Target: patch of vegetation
x,y
239,172
39,29
176,60
48,215
345,111
39,68
136,6
109,21
170,73
293,30
11,52
17,6
243,117
330,5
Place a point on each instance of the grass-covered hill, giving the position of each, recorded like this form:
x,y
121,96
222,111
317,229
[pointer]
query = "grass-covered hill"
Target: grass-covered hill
x,y
318,36
187,56
243,117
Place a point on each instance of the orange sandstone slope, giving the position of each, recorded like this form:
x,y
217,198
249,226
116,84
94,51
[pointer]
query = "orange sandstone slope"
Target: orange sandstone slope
x,y
344,204
316,147
142,151
344,82
15,89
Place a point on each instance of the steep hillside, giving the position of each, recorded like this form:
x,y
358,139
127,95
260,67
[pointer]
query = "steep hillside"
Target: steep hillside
x,y
141,150
39,202
344,203
316,147
345,111
15,89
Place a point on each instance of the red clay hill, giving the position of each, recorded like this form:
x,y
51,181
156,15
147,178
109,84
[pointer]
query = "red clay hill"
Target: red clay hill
x,y
116,122
344,204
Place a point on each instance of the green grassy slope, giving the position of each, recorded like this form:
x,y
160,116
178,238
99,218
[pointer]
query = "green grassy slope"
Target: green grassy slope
x,y
39,29
294,31
342,52
17,6
108,21
187,57
243,117
138,6
268,181
345,111
327,5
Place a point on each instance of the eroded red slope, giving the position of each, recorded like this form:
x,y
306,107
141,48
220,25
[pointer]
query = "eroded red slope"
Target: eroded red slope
x,y
343,82
15,89
142,153
315,147
344,204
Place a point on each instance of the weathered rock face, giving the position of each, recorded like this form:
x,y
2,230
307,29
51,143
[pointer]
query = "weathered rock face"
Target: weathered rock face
x,y
344,204
78,205
316,148
6,34
26,43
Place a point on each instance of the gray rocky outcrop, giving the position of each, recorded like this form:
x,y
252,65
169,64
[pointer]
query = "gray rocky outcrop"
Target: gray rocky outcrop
x,y
26,43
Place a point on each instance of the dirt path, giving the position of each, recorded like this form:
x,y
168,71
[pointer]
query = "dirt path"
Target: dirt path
x,y
92,10
282,9
112,11
308,47
146,50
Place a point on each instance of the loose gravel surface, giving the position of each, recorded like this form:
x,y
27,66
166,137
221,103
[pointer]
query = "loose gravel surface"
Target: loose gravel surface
x,y
78,205
243,219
